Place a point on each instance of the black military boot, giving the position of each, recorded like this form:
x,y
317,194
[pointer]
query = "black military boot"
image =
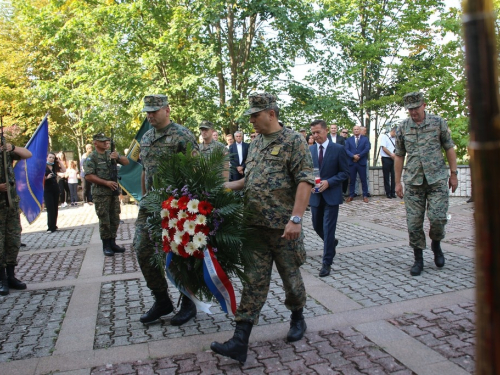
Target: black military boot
x,y
237,347
106,248
12,281
438,253
297,326
115,247
418,266
187,311
162,306
4,284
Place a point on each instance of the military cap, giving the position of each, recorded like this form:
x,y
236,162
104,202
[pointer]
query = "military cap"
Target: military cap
x,y
413,100
259,102
153,103
101,137
206,125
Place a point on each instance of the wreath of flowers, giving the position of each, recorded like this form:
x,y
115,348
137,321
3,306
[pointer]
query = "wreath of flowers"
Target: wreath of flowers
x,y
192,216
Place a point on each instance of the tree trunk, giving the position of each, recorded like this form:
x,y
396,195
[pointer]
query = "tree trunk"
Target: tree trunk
x,y
481,63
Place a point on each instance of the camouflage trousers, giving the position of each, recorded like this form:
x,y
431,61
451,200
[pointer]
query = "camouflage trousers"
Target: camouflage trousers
x,y
288,255
145,249
10,235
418,198
107,208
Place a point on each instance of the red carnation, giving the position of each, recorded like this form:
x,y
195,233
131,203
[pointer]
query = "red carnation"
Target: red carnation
x,y
205,208
183,202
180,224
164,222
171,233
173,212
166,204
191,217
182,252
203,229
185,239
166,245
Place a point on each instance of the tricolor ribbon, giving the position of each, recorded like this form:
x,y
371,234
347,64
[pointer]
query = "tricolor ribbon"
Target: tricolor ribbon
x,y
218,282
205,307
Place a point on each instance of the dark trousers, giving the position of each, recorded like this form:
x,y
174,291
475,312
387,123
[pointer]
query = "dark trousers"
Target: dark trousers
x,y
87,190
324,219
63,190
51,199
72,191
354,170
388,170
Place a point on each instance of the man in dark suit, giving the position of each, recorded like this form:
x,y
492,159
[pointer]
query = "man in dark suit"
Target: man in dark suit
x,y
238,156
335,137
332,161
357,148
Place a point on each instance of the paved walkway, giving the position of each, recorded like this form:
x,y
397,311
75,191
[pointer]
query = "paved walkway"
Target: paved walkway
x,y
80,312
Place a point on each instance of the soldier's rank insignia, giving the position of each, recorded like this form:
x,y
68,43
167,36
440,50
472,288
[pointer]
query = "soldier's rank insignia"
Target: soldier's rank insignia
x,y
168,139
276,150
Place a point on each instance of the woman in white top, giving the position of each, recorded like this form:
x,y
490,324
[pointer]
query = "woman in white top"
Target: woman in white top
x,y
72,175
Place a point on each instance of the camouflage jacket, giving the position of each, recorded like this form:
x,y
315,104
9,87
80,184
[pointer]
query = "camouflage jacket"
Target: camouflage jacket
x,y
99,165
157,145
422,143
11,178
272,175
206,150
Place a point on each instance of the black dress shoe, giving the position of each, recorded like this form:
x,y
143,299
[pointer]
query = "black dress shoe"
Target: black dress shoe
x,y
335,243
368,195
325,270
389,196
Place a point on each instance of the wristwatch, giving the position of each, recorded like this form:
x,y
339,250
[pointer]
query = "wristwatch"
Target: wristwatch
x,y
296,219
456,172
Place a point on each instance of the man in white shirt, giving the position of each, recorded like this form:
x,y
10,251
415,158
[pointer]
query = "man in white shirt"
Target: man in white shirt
x,y
334,137
238,157
388,146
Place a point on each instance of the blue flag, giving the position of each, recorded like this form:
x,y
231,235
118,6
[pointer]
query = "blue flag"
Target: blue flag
x,y
130,175
30,173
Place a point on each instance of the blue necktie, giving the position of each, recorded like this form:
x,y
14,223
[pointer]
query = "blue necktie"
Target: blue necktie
x,y
320,158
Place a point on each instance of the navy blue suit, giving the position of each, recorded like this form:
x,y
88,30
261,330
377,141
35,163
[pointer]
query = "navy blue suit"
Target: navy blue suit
x,y
358,167
234,160
325,205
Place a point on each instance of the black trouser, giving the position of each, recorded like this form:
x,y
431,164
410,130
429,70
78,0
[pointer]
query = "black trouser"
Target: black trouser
x,y
87,190
51,199
63,190
388,170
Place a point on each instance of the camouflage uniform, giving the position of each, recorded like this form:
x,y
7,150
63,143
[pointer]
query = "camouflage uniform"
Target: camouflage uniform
x,y
272,174
207,149
156,145
10,222
107,205
426,177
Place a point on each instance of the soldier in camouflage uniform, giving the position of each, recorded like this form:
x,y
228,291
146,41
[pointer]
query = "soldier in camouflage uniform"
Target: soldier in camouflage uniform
x,y
98,169
277,185
10,222
163,140
421,137
209,144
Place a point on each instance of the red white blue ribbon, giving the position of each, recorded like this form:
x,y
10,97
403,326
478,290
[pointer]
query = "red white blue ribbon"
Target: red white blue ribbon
x,y
205,307
218,282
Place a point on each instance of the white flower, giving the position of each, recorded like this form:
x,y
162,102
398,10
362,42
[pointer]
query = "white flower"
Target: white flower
x,y
178,237
199,239
173,247
182,214
190,248
164,213
189,227
173,203
172,223
192,206
201,219
164,233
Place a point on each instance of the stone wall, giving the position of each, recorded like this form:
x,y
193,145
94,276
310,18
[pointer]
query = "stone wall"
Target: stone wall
x,y
376,183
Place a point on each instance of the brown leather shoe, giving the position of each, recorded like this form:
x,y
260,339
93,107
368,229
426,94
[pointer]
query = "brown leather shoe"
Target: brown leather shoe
x,y
365,199
348,200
